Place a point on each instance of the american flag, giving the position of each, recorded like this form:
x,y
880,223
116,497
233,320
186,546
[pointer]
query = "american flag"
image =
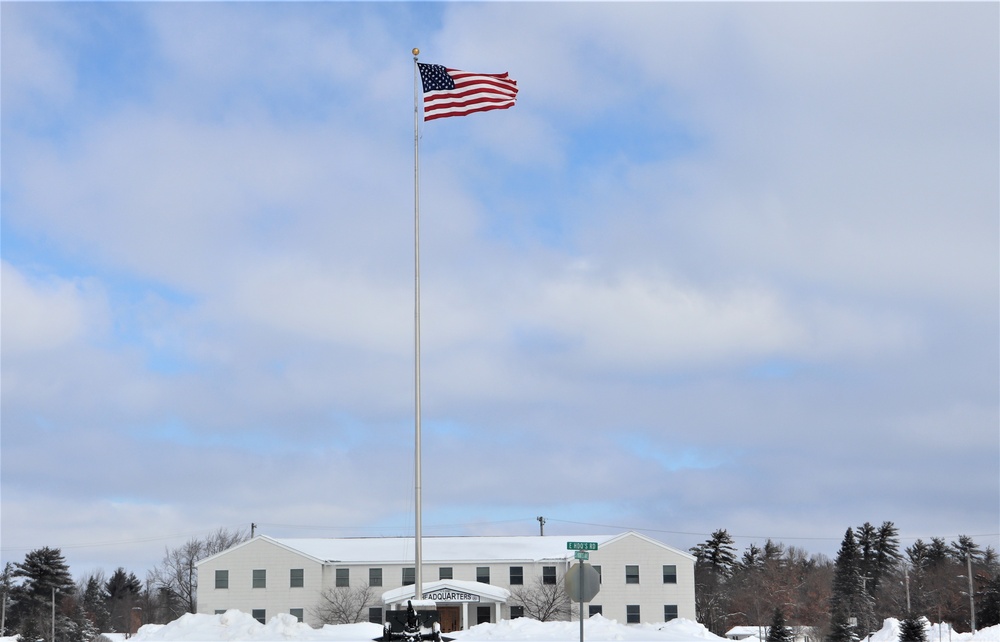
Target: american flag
x,y
450,92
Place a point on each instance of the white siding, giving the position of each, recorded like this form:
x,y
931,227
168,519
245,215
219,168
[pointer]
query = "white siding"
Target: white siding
x,y
277,559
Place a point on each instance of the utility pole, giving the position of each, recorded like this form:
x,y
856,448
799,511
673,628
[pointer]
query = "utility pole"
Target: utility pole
x,y
972,598
253,529
541,526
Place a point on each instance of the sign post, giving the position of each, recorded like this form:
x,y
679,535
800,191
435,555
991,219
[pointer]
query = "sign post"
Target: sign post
x,y
582,579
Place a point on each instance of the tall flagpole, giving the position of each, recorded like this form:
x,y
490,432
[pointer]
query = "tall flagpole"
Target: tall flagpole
x,y
418,589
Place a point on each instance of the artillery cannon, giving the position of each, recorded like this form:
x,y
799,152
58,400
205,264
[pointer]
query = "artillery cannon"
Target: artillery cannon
x,y
412,625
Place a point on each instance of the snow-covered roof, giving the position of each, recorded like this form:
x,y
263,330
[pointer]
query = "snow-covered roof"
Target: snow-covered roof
x,y
440,549
740,632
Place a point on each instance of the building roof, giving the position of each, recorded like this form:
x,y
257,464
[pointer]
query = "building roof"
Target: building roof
x,y
440,549
437,550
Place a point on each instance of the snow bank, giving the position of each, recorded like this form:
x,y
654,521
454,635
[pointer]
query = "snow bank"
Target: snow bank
x,y
233,626
236,625
597,628
936,633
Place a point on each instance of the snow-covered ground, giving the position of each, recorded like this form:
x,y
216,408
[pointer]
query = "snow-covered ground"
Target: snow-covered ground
x,y
234,626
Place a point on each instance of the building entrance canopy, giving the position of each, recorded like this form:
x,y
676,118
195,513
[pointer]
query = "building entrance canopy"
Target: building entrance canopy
x,y
453,598
449,591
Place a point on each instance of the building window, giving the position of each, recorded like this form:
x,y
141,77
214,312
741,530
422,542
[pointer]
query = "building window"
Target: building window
x,y
600,577
548,575
222,579
409,576
259,578
516,575
595,609
343,577
669,612
259,615
445,573
375,578
220,611
482,615
632,614
632,574
483,574
296,613
669,574
375,612
516,612
296,578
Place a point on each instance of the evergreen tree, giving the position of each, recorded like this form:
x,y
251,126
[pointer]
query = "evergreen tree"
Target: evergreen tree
x,y
122,591
95,604
6,588
849,599
911,629
46,576
840,628
965,548
778,632
715,561
988,613
880,556
752,557
938,552
718,553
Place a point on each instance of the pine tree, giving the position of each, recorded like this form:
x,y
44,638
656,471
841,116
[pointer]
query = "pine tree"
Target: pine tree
x,y
122,592
988,613
840,628
95,604
778,632
715,561
849,598
911,629
46,577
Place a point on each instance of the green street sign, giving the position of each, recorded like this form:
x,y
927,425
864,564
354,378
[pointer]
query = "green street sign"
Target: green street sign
x,y
582,555
581,546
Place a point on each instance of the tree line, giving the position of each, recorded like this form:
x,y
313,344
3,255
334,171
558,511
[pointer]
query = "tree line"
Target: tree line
x,y
773,586
39,598
847,598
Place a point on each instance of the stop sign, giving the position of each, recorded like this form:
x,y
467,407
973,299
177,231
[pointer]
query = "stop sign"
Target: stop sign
x,y
582,582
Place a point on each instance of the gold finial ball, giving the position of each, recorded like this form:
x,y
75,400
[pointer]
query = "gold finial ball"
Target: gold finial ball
x,y
416,52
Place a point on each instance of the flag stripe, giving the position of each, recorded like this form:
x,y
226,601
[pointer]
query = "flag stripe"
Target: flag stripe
x,y
450,92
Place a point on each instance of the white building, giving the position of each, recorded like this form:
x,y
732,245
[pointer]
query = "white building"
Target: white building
x,y
472,579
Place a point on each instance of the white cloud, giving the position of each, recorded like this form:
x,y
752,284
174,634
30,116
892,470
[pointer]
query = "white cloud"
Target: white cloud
x,y
48,313
41,75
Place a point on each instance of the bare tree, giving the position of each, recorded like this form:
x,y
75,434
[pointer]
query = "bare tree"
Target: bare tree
x,y
541,601
175,577
345,605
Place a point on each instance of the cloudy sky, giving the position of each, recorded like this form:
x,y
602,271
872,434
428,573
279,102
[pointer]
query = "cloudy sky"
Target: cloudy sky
x,y
722,266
